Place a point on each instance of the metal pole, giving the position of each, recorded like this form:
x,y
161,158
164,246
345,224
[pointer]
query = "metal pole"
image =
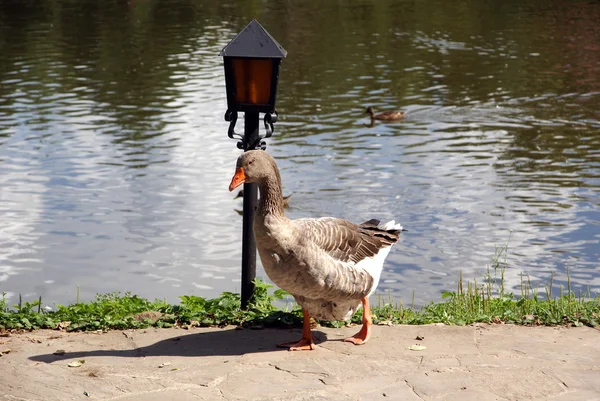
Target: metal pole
x,y
250,201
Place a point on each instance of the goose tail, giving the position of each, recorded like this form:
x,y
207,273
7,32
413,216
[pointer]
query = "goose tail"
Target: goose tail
x,y
391,226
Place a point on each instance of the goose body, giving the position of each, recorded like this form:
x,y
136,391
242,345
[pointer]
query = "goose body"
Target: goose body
x,y
386,115
327,264
331,266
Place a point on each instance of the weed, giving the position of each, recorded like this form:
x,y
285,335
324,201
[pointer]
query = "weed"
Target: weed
x,y
487,302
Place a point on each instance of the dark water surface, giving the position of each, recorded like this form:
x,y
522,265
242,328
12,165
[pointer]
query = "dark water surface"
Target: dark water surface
x,y
115,161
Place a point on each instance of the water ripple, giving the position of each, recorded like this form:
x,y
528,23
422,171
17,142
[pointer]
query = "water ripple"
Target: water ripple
x,y
115,159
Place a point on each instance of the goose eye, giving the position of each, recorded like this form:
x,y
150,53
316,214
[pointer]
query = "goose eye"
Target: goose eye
x,y
250,162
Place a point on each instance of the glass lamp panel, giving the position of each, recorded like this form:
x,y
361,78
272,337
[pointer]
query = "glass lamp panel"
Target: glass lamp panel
x,y
252,80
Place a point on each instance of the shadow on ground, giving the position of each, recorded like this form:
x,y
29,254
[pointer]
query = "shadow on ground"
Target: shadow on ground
x,y
213,343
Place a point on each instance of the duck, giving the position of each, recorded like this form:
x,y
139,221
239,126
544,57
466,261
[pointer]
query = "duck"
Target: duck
x,y
386,115
329,265
286,199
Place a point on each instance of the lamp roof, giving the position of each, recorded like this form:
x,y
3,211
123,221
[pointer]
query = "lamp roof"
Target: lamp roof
x,y
253,42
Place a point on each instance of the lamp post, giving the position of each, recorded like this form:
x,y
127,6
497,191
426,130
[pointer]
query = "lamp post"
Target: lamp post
x,y
251,62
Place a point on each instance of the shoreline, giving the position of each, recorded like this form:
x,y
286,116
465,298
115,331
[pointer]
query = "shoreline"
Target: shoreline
x,y
473,304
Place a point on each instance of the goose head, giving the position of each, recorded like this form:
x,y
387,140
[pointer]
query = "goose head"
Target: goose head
x,y
254,166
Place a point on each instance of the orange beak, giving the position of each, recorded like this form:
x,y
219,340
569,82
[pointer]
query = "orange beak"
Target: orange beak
x,y
238,179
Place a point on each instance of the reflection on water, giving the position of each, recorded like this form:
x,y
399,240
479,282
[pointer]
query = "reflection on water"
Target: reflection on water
x,y
115,162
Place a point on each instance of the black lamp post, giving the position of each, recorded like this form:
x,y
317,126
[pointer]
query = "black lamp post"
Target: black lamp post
x,y
251,62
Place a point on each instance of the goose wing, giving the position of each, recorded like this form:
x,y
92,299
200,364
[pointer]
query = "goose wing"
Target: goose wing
x,y
348,242
347,257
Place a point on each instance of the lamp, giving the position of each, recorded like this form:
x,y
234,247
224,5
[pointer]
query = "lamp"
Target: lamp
x,y
251,61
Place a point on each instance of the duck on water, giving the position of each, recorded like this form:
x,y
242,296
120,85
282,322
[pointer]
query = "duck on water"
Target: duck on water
x,y
386,115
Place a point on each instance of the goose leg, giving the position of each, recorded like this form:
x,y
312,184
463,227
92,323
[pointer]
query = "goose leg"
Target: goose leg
x,y
365,331
307,342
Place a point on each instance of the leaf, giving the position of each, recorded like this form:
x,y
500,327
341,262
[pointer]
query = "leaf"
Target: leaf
x,y
59,352
162,365
76,364
417,347
63,325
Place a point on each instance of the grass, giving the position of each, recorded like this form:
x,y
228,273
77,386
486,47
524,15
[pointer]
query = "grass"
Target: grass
x,y
471,303
116,311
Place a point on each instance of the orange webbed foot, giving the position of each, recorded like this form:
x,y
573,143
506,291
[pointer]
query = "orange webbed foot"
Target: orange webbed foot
x,y
307,342
303,345
361,337
364,334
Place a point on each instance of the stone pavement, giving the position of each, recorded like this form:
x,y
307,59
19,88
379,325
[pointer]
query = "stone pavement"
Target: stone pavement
x,y
480,362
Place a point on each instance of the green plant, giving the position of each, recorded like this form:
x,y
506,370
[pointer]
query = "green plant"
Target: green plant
x,y
472,302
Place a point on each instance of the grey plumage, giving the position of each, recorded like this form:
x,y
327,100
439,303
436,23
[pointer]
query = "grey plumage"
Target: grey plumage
x,y
286,198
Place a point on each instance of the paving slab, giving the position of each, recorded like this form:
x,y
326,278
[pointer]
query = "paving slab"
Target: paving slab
x,y
478,362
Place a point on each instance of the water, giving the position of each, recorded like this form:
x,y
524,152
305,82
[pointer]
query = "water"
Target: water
x,y
115,161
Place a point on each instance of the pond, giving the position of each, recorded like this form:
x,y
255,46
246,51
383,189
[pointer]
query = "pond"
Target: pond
x,y
115,161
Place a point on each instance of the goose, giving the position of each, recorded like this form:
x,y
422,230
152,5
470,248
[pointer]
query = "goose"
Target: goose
x,y
286,199
386,115
329,265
